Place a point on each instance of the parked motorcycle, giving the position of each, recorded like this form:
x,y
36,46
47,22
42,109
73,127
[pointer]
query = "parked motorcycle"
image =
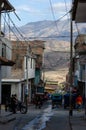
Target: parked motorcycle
x,y
19,107
38,104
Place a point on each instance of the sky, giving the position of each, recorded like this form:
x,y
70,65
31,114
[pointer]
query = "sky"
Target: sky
x,y
39,10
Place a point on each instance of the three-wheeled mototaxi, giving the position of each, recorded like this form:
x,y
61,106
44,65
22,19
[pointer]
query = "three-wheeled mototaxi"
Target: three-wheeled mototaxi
x,y
56,99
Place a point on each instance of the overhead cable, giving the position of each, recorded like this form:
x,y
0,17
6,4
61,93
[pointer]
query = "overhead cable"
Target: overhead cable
x,y
53,14
10,28
15,26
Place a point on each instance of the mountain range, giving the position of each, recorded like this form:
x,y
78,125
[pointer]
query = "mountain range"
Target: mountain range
x,y
57,45
46,30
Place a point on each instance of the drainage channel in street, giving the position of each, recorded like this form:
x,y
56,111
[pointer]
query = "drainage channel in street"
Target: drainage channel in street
x,y
39,122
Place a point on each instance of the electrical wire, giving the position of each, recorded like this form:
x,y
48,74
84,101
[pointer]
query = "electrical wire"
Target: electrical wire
x,y
68,18
14,24
78,33
29,49
10,27
63,15
4,22
53,37
66,7
35,30
15,27
53,14
51,23
37,37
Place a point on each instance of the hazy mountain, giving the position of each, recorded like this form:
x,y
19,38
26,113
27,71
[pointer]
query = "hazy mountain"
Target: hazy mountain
x,y
59,30
46,30
57,45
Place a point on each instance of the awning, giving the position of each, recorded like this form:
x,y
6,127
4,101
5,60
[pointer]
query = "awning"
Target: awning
x,y
79,11
6,62
6,6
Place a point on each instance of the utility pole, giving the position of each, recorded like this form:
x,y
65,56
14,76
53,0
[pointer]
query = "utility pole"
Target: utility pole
x,y
85,90
71,64
0,65
26,87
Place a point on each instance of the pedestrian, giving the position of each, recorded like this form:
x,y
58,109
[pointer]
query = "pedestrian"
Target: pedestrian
x,y
79,102
6,103
14,103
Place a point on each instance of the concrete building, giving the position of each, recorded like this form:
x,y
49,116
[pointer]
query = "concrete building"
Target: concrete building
x,y
37,47
80,61
79,16
5,49
22,75
28,57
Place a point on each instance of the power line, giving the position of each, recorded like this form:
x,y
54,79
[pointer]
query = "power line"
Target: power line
x,y
15,26
34,37
16,29
53,13
66,7
10,28
52,37
63,16
78,32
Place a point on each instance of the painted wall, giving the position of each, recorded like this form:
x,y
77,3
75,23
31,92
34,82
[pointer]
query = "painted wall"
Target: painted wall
x,y
16,89
6,70
31,68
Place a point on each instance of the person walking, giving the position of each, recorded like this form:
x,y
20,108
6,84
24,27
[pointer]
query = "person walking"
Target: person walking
x,y
79,102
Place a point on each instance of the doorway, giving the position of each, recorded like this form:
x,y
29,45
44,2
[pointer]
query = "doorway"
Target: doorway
x,y
6,93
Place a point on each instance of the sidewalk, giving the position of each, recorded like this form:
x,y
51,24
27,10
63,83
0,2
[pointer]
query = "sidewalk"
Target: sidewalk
x,y
74,122
6,116
78,120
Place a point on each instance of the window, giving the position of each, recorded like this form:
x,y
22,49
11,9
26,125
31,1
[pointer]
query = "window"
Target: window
x,y
31,62
82,73
3,50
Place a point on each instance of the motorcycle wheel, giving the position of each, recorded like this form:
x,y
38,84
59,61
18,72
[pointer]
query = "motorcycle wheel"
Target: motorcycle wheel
x,y
23,110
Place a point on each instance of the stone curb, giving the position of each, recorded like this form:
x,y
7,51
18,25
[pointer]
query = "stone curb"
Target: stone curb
x,y
7,119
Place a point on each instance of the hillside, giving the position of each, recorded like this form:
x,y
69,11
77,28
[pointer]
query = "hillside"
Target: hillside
x,y
56,60
45,30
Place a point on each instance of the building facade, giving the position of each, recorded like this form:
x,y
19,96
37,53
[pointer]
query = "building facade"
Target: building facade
x,y
80,62
5,49
27,70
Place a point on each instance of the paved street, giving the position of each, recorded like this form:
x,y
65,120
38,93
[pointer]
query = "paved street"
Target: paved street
x,y
22,119
59,121
46,118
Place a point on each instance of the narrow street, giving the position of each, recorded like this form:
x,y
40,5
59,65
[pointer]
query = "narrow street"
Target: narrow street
x,y
57,115
38,119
